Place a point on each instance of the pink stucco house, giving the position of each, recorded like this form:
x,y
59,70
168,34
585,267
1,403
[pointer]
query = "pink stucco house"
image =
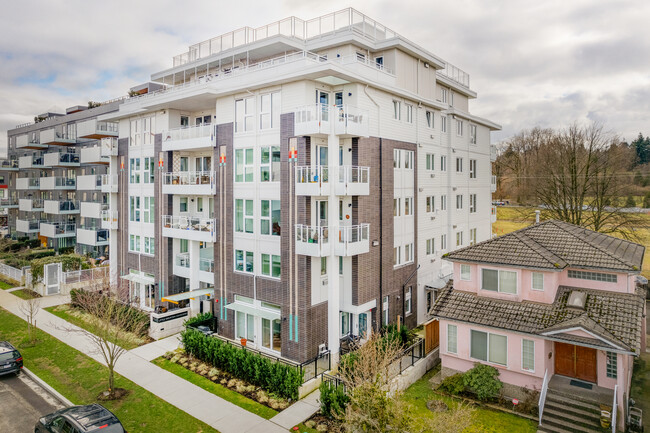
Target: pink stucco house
x,y
555,308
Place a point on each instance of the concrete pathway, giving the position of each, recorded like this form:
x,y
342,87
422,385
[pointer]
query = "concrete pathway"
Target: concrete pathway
x,y
135,366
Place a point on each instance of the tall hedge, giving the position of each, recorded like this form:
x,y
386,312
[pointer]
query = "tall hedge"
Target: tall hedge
x,y
274,377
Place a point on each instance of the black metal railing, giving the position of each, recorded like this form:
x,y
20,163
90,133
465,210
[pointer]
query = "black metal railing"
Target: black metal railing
x,y
333,381
412,354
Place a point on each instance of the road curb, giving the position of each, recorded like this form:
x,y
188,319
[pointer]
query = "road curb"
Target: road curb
x,y
47,387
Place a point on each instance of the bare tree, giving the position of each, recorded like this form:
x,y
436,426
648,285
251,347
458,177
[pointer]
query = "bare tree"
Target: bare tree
x,y
30,308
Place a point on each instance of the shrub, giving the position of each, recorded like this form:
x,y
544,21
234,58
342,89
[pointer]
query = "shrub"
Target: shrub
x,y
630,202
333,400
274,377
199,319
483,381
39,254
405,337
454,384
69,262
135,319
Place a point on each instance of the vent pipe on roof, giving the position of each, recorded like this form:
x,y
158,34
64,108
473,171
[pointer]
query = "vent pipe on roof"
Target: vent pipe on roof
x,y
537,217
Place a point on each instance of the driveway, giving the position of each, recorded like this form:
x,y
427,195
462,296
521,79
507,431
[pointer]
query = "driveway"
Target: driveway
x,y
22,403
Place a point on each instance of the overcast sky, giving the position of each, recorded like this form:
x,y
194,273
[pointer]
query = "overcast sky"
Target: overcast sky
x,y
533,63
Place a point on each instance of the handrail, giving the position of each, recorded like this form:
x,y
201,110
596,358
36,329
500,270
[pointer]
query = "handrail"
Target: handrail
x,y
188,178
312,174
188,223
614,408
184,133
542,396
355,233
312,234
353,174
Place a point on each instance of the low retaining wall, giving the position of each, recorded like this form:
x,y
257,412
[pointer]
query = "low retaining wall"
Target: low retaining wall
x,y
415,372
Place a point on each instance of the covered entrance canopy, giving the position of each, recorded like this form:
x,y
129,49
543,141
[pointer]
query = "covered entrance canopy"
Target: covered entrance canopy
x,y
174,299
254,310
139,278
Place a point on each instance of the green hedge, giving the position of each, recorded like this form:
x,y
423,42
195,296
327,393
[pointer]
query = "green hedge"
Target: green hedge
x,y
200,319
69,262
333,400
139,321
274,377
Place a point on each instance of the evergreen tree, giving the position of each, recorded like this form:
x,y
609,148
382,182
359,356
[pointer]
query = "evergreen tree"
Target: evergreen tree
x,y
642,148
630,202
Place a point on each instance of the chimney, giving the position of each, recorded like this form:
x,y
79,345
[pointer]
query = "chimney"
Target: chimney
x,y
537,217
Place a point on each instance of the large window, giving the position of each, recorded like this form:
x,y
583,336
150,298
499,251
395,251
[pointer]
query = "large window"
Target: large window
x,y
499,281
271,265
527,355
459,201
459,239
244,165
270,110
443,242
452,338
397,110
244,216
594,276
134,243
183,204
612,365
537,281
270,217
149,245
459,128
472,169
149,211
397,207
430,119
472,134
465,272
489,347
244,114
472,236
431,246
134,209
430,161
408,253
270,164
149,171
431,204
244,261
459,165
134,170
443,123
409,113
443,163
472,203
443,202
408,206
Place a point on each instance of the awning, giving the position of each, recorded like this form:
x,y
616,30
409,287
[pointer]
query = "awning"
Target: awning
x,y
187,295
139,278
251,309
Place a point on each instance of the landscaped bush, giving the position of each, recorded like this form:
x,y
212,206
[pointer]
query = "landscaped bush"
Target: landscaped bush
x,y
482,380
453,384
39,254
274,377
69,262
199,319
333,400
403,335
17,262
136,319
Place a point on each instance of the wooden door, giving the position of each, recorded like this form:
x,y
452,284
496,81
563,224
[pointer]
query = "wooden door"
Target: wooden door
x,y
432,336
565,359
586,364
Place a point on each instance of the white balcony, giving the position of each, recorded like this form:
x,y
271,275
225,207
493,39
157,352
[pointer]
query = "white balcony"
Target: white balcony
x,y
493,216
58,230
312,120
189,183
312,180
27,226
109,219
353,181
9,165
493,153
92,210
31,204
352,240
25,142
58,137
9,203
188,227
95,129
62,207
62,159
31,161
182,265
109,146
93,155
109,182
57,182
89,182
24,183
351,121
206,268
92,236
192,138
312,240
493,184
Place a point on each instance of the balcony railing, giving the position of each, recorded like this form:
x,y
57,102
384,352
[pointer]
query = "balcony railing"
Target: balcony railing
x,y
93,236
58,182
206,265
54,229
28,182
89,182
189,137
109,146
351,121
109,183
312,240
96,129
353,240
94,155
456,74
109,219
9,164
61,207
31,161
8,203
312,180
31,204
353,180
27,226
189,227
183,260
189,182
312,119
62,159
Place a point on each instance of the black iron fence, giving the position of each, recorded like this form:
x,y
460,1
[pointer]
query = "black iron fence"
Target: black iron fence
x,y
412,354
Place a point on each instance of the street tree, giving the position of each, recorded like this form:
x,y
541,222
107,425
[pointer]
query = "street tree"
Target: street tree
x,y
30,308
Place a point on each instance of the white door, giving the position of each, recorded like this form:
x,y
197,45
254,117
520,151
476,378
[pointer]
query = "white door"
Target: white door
x,y
52,273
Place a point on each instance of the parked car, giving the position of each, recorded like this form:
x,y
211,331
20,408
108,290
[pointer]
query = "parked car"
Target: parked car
x,y
11,361
80,419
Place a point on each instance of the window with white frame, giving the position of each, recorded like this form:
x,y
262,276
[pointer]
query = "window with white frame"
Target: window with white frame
x,y
459,128
499,281
465,272
244,165
459,201
594,276
149,172
408,253
397,110
430,161
149,245
472,169
134,208
183,204
323,266
407,300
443,163
199,204
271,265
244,216
443,202
149,211
528,355
408,159
459,165
459,239
472,236
408,206
397,158
134,243
489,347
444,94
270,217
397,211
431,204
472,134
537,281
472,203
451,98
397,256
443,123
430,119
443,242
270,167
244,114
345,323
270,110
452,338
134,170
612,365
431,246
244,261
409,113
385,310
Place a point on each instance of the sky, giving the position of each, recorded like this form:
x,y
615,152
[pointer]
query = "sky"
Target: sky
x,y
533,63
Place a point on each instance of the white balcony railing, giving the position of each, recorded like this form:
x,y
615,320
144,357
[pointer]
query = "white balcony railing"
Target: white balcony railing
x,y
193,137
109,146
353,180
312,119
89,182
27,183
353,240
27,226
109,183
94,155
96,129
312,240
27,142
351,121
31,204
189,227
312,180
93,209
62,159
206,265
109,219
9,203
61,207
58,182
189,182
58,229
31,161
183,260
92,236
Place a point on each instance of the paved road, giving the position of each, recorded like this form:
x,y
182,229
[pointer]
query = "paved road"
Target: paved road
x,y
22,403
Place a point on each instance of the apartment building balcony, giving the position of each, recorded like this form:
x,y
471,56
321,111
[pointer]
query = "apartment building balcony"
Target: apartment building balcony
x,y
58,229
317,119
95,237
58,137
62,207
27,142
312,180
109,219
192,138
25,183
27,226
352,240
95,129
89,182
313,120
353,180
493,215
312,240
182,265
31,204
94,155
32,161
315,180
62,159
493,153
58,183
109,146
109,182
9,203
189,227
493,184
9,165
351,121
93,209
206,268
189,182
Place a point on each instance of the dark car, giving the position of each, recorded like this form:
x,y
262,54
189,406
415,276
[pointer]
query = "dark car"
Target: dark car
x,y
80,419
11,361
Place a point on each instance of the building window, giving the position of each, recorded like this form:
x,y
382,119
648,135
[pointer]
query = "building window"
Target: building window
x,y
452,338
489,347
443,163
459,201
134,170
443,123
149,245
594,276
612,365
340,265
270,217
443,242
271,265
465,272
408,160
537,281
199,204
270,110
430,119
244,216
244,112
134,205
345,323
472,203
244,165
149,210
149,172
270,164
396,207
459,128
397,158
472,236
431,204
499,281
472,134
397,256
459,239
409,113
430,161
472,169
323,266
528,355
459,165
397,110
444,94
363,325
182,204
407,300
385,310
443,202
408,206
408,253
431,246
244,261
134,243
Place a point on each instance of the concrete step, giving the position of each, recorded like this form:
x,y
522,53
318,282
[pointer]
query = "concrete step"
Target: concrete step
x,y
571,419
573,402
577,396
571,410
545,428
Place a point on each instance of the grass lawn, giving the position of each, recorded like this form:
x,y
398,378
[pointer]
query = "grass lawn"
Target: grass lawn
x,y
81,380
86,321
25,294
4,285
216,389
485,420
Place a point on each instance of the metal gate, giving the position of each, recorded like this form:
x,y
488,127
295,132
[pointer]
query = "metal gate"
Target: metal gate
x,y
52,280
